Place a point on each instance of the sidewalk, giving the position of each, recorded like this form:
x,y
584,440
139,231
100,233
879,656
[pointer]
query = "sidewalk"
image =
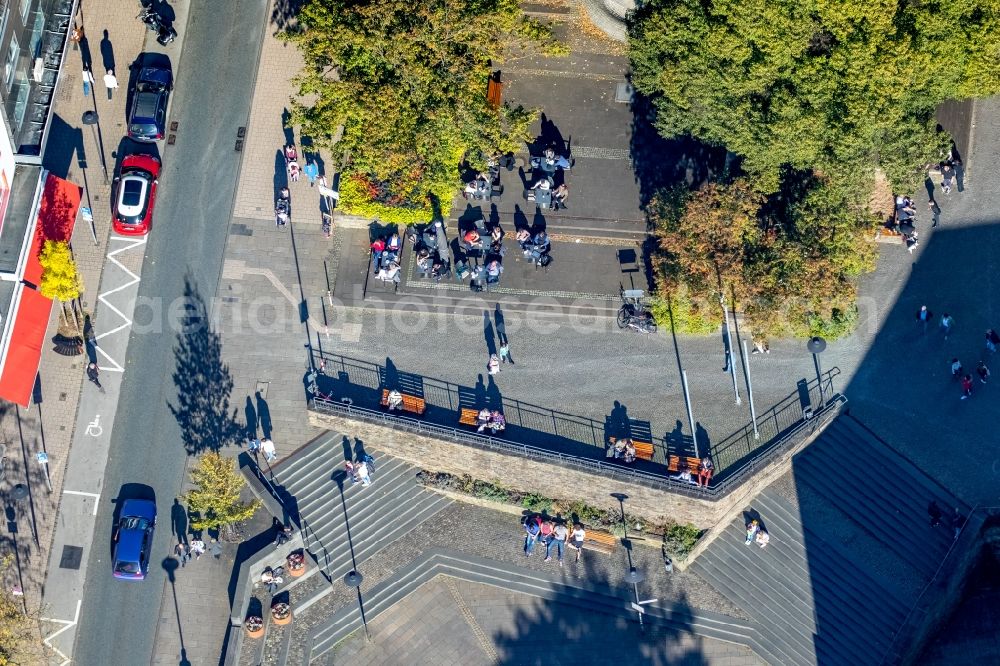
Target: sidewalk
x,y
47,425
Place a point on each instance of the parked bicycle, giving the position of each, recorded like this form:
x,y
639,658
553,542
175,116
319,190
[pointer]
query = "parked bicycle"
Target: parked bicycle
x,y
634,313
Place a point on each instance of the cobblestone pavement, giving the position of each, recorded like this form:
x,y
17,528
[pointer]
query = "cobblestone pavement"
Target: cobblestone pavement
x,y
449,621
47,424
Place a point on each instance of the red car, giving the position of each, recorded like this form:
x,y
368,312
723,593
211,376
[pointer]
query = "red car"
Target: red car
x,y
135,194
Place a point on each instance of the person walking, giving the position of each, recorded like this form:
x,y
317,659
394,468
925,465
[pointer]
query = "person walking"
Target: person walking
x,y
532,528
935,212
92,375
947,321
992,340
110,82
267,446
924,316
956,368
558,541
311,170
352,471
966,387
362,469
983,372
197,548
504,352
947,176
182,553
493,366
576,540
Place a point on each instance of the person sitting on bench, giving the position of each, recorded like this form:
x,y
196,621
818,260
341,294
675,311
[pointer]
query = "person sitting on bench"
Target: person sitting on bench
x,y
705,470
621,446
483,419
497,421
629,451
684,476
394,400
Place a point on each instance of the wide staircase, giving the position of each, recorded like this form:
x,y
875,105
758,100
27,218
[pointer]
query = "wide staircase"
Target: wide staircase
x,y
851,548
337,516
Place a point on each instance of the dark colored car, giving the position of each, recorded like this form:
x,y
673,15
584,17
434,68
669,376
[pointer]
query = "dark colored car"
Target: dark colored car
x,y
134,539
149,105
135,194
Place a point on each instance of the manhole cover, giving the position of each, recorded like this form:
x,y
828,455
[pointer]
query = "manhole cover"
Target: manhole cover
x,y
71,557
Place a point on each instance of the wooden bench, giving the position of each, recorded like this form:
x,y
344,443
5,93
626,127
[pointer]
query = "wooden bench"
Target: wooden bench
x,y
604,542
643,450
411,403
469,417
675,465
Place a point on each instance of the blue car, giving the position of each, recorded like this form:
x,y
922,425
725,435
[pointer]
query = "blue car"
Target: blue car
x,y
134,539
148,119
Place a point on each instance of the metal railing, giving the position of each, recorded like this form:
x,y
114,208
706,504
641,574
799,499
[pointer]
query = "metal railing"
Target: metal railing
x,y
657,481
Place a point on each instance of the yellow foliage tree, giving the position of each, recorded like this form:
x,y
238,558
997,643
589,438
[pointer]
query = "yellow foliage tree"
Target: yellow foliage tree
x,y
19,639
215,500
60,279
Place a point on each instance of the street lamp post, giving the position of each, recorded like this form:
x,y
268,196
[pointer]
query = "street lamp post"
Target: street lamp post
x,y
91,118
353,579
816,345
633,576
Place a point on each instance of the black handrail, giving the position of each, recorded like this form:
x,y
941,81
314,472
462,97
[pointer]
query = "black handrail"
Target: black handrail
x,y
648,479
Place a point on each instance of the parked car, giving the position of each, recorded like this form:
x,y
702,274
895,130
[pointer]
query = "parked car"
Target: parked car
x,y
148,119
135,194
134,539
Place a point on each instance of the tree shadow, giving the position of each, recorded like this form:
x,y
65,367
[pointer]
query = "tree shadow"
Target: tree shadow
x,y
203,382
283,14
660,163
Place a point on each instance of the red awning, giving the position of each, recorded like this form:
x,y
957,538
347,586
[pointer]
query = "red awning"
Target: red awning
x,y
56,217
25,348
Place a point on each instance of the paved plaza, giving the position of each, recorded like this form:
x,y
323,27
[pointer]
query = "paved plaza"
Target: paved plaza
x,y
459,623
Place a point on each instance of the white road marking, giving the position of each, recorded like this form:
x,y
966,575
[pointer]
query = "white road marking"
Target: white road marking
x,y
130,243
96,496
67,624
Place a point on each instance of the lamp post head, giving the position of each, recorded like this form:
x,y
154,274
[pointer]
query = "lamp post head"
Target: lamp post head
x,y
816,344
621,497
89,118
634,576
353,579
19,492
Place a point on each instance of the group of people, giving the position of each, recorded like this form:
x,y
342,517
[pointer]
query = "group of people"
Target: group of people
x,y
196,548
491,419
535,246
544,169
757,534
701,476
360,471
385,257
924,317
554,535
623,449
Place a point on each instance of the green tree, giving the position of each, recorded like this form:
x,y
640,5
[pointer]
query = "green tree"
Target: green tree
x,y
837,88
407,82
60,280
215,499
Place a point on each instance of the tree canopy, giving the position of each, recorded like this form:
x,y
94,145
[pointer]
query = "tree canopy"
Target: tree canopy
x,y
215,499
836,86
790,269
407,82
59,277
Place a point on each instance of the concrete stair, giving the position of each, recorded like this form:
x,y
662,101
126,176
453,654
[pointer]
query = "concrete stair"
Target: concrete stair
x,y
597,598
819,592
376,516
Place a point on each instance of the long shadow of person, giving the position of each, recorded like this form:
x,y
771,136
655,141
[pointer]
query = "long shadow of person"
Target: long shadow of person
x,y
550,137
250,413
704,441
346,444
85,57
494,216
538,222
501,324
491,343
480,391
359,449
263,415
618,424
520,219
107,53
494,399
391,374
179,521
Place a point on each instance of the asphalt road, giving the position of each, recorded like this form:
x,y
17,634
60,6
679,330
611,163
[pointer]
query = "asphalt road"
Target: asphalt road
x,y
118,621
